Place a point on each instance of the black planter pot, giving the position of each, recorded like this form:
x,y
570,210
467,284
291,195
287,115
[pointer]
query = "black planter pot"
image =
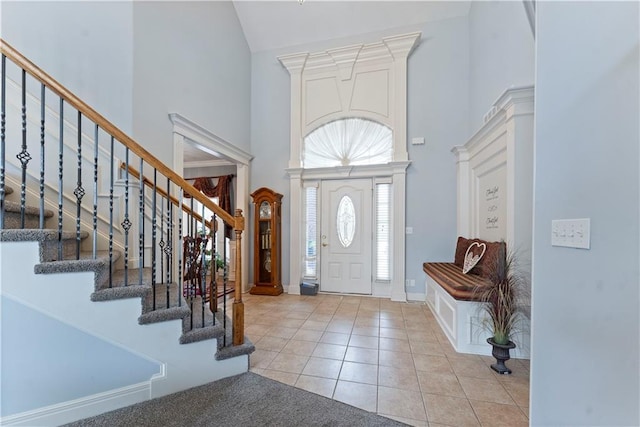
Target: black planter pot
x,y
501,353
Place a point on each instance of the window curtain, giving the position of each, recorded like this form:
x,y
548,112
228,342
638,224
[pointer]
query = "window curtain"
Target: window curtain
x,y
344,142
223,190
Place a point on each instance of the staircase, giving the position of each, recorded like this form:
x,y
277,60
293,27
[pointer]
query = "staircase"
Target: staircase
x,y
111,270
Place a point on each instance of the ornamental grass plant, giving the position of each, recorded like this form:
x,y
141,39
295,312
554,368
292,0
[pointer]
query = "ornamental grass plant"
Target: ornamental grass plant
x,y
500,300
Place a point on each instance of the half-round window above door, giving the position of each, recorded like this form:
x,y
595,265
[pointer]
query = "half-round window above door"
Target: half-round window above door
x,y
346,142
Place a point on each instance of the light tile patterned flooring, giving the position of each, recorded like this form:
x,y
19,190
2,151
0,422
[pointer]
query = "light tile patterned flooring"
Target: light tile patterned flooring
x,y
382,356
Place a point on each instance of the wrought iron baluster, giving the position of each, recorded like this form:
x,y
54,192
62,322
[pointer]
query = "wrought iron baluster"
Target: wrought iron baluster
x,y
161,244
203,269
168,246
60,177
180,246
154,235
213,304
3,114
111,173
126,224
95,192
42,123
141,223
225,276
79,191
23,155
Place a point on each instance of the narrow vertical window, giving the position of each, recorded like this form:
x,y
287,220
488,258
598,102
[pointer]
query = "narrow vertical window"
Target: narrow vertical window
x,y
311,222
383,234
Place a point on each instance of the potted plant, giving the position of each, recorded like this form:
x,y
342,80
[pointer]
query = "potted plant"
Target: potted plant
x,y
220,266
500,302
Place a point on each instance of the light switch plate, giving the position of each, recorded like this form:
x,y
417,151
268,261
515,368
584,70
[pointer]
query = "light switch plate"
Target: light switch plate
x,y
571,233
417,141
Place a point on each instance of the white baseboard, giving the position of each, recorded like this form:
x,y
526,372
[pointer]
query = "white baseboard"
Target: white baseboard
x,y
417,297
84,407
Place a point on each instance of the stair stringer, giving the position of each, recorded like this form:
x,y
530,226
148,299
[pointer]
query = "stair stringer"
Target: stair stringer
x,y
66,297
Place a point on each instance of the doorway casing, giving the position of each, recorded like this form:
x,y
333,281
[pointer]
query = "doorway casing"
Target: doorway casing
x,y
186,131
363,80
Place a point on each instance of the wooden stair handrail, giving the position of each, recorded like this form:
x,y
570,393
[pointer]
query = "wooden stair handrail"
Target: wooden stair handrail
x,y
112,130
136,174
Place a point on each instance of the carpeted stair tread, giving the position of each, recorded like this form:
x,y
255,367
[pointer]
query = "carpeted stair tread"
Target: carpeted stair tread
x,y
120,292
14,207
201,334
12,213
86,262
164,314
48,239
229,351
37,235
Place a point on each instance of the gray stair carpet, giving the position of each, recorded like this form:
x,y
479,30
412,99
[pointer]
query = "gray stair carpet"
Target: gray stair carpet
x,y
243,400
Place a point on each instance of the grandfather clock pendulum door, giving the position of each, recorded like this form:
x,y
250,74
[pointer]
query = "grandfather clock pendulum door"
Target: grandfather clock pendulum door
x,y
267,242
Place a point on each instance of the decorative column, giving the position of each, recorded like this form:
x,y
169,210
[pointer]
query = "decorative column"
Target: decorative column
x,y
400,47
295,65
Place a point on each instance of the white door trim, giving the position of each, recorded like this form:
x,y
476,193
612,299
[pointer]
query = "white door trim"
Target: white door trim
x,y
186,131
394,170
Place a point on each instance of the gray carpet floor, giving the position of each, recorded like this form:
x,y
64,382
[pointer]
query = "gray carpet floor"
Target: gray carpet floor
x,y
244,400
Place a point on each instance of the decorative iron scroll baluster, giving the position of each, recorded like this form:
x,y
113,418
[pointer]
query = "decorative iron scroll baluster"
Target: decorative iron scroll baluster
x,y
60,176
3,113
167,247
180,250
79,191
161,243
141,223
154,229
42,122
23,155
213,303
126,224
203,269
95,193
111,212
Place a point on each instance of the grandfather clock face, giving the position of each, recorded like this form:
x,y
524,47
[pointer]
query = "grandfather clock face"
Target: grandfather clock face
x,y
265,210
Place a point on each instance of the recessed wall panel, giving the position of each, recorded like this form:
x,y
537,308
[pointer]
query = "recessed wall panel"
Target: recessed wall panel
x,y
322,98
371,92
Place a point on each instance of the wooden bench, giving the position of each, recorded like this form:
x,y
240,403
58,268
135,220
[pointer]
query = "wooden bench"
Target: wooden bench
x,y
452,297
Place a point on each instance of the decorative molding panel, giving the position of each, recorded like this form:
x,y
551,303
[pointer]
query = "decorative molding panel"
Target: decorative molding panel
x,y
365,81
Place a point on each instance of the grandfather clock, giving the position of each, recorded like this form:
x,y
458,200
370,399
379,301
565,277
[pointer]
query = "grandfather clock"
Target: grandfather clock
x,y
267,242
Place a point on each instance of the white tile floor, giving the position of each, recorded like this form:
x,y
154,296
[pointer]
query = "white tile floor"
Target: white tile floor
x,y
385,357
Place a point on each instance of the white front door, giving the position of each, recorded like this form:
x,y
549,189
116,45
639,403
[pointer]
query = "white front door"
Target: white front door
x,y
345,236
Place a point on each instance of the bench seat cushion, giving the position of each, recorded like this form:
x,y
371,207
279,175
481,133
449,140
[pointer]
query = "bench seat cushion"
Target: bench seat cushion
x,y
448,275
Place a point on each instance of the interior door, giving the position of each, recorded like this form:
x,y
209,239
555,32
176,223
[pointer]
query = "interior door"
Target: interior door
x,y
345,236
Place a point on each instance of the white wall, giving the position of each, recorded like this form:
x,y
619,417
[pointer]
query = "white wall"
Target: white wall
x,y
585,342
87,47
438,87
43,371
437,99
190,58
501,54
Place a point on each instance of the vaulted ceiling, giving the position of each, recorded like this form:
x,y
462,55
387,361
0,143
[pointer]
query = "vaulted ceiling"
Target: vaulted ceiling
x,y
276,24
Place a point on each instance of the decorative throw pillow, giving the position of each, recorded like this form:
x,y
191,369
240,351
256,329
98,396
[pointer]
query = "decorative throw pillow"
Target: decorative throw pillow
x,y
488,262
461,248
473,255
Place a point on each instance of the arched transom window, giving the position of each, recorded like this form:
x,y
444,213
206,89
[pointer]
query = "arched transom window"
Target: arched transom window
x,y
345,142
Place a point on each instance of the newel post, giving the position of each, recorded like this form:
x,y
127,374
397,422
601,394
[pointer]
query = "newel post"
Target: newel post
x,y
238,305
